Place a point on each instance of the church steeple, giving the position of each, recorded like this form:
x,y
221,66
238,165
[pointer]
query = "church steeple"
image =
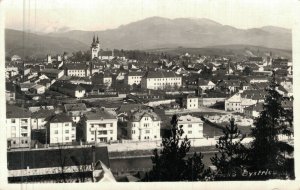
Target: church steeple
x,y
97,39
94,39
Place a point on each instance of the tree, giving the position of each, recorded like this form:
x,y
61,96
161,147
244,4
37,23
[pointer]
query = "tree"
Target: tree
x,y
247,71
267,152
232,154
171,164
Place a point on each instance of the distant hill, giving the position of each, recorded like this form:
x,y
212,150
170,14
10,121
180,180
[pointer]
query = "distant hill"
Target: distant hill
x,y
157,32
38,45
227,50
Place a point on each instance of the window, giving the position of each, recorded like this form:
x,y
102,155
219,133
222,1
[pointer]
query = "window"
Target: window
x,y
111,138
189,132
67,138
56,132
133,132
67,124
73,128
67,131
190,125
73,136
147,131
111,131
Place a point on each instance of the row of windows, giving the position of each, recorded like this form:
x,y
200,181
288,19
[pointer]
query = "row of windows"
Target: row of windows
x,y
22,120
167,83
136,77
102,132
165,79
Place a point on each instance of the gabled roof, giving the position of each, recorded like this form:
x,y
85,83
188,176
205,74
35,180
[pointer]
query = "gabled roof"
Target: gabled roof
x,y
99,114
76,66
161,74
60,118
75,107
42,113
17,112
139,114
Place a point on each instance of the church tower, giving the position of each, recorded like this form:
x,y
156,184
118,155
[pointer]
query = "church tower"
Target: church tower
x,y
95,47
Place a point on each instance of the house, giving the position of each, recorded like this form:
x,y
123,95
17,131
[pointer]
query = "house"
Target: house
x,y
134,77
52,73
24,87
107,79
77,69
205,84
75,111
243,99
38,89
254,110
15,58
60,129
230,86
161,80
190,102
38,118
143,125
18,130
191,126
100,126
69,89
257,60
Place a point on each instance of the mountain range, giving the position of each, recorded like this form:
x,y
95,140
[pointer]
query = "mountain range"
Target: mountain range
x,y
149,33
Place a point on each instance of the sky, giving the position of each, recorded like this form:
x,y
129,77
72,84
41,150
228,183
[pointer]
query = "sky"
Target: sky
x,y
91,15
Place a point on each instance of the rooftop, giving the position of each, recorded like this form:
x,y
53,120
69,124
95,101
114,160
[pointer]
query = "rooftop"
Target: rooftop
x,y
139,114
189,119
17,112
161,74
97,114
75,107
60,118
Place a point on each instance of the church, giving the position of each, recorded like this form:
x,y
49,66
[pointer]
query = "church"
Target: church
x,y
97,53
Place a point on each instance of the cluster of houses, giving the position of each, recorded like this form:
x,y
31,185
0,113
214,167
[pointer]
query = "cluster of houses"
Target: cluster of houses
x,y
186,82
77,123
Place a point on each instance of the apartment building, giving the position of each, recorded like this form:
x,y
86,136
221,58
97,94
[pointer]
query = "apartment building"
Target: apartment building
x,y
134,78
191,126
144,125
100,126
60,129
161,80
18,130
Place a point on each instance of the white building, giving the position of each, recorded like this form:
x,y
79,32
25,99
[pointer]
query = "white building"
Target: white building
x,y
18,128
191,126
100,126
206,84
191,102
161,80
78,70
243,99
144,125
134,78
60,129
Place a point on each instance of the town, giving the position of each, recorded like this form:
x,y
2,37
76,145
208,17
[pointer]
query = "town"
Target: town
x,y
110,105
